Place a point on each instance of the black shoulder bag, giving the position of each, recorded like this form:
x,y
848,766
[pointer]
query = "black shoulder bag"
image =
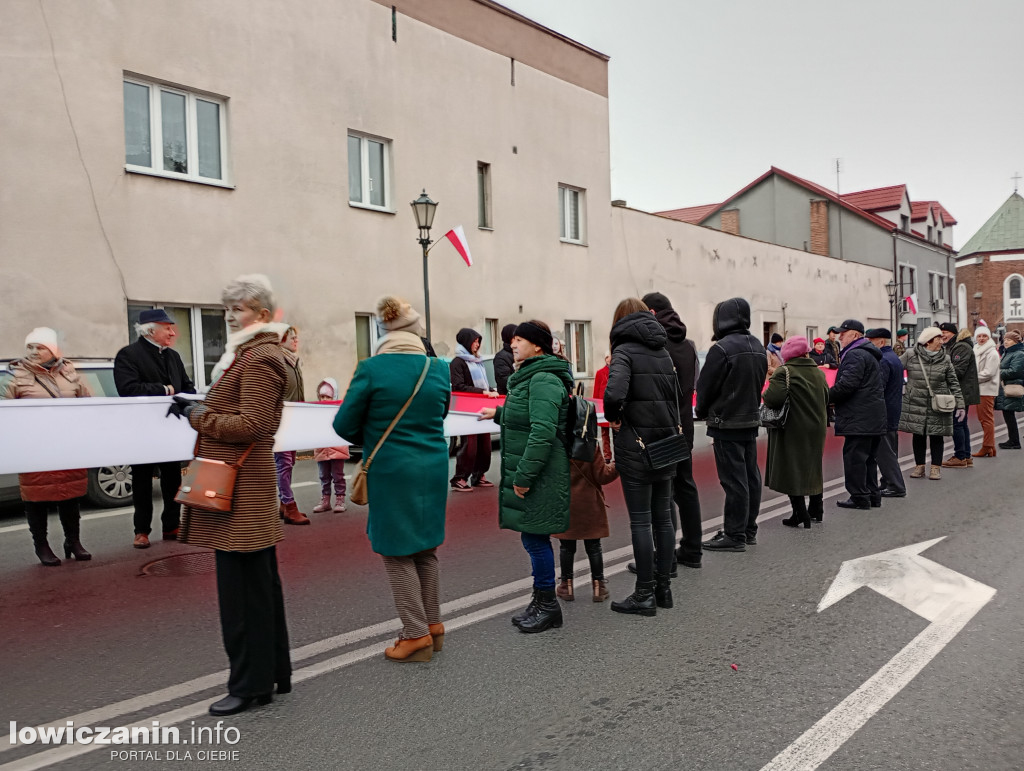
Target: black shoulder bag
x,y
670,450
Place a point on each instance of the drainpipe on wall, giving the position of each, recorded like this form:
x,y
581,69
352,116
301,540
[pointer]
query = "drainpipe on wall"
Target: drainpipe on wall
x,y
899,285
949,275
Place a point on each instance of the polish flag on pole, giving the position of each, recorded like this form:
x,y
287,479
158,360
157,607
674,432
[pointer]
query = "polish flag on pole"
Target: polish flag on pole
x,y
911,303
458,238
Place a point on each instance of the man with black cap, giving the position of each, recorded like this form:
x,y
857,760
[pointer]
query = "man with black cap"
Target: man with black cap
x,y
151,367
891,370
687,365
860,414
729,399
960,347
833,344
504,361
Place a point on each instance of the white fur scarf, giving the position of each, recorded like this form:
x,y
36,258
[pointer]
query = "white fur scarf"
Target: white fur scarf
x,y
235,339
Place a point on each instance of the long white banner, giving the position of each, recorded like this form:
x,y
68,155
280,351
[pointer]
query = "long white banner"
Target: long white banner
x,y
52,434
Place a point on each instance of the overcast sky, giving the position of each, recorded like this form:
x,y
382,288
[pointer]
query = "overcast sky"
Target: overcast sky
x,y
705,97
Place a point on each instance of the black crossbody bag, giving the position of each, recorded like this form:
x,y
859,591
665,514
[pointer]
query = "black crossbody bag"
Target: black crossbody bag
x,y
670,450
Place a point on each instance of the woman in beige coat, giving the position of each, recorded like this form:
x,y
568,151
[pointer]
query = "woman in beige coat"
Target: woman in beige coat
x,y
987,357
45,374
241,412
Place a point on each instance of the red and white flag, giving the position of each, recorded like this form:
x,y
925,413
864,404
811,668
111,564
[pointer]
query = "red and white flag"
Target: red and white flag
x,y
458,238
911,303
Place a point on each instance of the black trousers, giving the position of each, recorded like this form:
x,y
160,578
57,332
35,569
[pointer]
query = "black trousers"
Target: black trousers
x,y
650,523
142,495
474,458
888,457
567,556
740,476
684,491
933,443
1012,431
860,467
252,621
36,513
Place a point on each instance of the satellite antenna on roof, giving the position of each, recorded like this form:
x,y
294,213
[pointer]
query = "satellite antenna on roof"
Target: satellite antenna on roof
x,y
1016,180
839,195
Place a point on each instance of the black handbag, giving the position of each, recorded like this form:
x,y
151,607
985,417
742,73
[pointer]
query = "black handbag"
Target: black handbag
x,y
775,417
670,450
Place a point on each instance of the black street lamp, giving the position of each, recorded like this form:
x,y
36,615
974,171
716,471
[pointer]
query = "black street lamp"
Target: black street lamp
x,y
424,210
891,289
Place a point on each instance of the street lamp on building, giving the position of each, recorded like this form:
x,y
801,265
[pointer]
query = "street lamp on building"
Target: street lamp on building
x,y
891,288
424,210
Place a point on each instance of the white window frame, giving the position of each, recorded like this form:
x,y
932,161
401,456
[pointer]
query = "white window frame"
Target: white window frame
x,y
364,171
564,225
491,342
1007,299
192,134
569,329
912,270
484,192
374,334
812,332
196,343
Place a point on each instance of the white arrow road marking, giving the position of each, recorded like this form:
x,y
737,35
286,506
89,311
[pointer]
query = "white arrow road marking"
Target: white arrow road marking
x,y
942,596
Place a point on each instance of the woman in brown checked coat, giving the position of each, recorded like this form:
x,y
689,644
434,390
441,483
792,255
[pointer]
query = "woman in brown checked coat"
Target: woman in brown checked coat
x,y
243,410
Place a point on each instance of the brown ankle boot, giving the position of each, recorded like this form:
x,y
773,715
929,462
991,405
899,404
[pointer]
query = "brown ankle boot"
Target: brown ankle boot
x,y
292,515
600,590
437,632
564,589
415,649
985,452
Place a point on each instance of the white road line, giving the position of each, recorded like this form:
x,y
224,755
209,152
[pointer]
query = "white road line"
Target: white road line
x,y
770,509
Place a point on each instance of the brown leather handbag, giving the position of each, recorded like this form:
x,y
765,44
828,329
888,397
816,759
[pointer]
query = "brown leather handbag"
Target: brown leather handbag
x,y
209,485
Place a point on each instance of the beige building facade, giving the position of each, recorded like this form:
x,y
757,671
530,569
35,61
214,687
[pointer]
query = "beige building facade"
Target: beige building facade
x,y
153,151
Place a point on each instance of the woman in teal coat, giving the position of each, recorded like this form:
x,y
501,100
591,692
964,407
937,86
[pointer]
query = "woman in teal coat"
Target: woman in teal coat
x,y
1011,372
534,494
407,481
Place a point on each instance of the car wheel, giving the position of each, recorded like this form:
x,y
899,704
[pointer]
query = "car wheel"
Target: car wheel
x,y
110,485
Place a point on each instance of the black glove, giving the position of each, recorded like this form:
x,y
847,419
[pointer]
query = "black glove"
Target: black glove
x,y
181,407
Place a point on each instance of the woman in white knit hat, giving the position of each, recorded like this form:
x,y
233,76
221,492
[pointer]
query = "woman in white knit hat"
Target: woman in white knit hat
x,y
44,374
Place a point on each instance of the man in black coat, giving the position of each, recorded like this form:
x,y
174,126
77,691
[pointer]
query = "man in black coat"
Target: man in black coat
x,y
891,369
150,367
504,363
960,346
860,414
684,490
729,399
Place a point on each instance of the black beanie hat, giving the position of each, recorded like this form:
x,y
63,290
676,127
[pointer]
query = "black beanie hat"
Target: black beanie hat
x,y
536,335
507,332
657,302
466,337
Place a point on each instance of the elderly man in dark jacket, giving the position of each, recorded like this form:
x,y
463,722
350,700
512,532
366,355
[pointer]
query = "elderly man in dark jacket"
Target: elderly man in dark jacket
x,y
860,414
684,490
151,367
960,347
504,363
892,484
729,399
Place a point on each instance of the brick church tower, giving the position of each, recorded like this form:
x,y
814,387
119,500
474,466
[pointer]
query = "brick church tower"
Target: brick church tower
x,y
990,271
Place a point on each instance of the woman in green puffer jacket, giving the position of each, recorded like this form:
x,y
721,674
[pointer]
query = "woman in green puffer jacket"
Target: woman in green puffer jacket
x,y
534,493
1011,372
928,365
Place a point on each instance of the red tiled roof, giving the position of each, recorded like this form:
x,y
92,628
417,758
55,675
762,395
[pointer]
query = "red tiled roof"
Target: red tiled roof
x,y
824,191
919,210
879,199
947,218
692,214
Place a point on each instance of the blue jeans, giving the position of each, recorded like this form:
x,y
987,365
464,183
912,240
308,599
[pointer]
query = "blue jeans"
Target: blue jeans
x,y
962,437
542,560
285,462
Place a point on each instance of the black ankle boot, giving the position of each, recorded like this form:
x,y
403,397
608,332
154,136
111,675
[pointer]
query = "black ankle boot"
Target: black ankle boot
x,y
816,508
662,591
46,555
641,602
528,611
547,613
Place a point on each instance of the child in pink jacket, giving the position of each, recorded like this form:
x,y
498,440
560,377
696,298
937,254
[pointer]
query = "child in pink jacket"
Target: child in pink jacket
x,y
330,461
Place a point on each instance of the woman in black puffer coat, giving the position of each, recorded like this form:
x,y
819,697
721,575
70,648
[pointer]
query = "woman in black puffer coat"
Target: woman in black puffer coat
x,y
640,402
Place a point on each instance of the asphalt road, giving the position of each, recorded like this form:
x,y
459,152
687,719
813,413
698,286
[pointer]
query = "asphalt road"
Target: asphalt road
x,y
605,691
